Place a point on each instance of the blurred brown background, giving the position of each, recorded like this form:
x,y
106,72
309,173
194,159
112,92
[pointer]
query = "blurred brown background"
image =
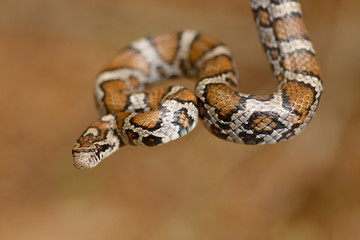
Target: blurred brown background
x,y
198,187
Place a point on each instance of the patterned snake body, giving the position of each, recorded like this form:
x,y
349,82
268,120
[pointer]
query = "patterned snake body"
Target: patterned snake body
x,y
136,115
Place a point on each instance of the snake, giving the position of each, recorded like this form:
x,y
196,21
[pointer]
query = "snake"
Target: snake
x,y
132,113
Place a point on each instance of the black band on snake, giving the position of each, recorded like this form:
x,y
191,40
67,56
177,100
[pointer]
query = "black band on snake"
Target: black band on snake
x,y
136,115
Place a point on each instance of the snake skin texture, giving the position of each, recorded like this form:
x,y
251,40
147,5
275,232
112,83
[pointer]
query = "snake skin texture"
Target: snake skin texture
x,y
136,115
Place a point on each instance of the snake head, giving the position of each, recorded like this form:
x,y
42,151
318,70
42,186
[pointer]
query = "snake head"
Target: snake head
x,y
97,142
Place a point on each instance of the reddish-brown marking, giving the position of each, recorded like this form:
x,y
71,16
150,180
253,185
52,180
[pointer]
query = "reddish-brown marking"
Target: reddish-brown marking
x,y
202,44
288,27
128,58
114,100
184,95
154,96
302,62
183,67
184,121
223,99
132,136
148,119
264,18
300,97
120,119
215,66
275,53
134,81
167,46
263,123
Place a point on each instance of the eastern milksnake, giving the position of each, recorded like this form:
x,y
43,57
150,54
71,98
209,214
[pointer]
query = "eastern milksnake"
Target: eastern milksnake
x,y
135,115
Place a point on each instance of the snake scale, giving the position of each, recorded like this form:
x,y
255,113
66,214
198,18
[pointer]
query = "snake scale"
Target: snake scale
x,y
136,115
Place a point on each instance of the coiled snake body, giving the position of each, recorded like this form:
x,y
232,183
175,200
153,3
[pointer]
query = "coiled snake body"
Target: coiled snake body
x,y
135,115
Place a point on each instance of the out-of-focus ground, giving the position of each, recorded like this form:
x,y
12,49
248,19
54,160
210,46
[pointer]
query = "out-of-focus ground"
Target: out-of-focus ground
x,y
198,187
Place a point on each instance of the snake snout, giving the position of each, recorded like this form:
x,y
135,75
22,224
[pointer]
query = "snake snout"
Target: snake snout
x,y
84,159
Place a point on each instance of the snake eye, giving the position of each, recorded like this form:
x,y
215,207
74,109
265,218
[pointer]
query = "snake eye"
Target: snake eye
x,y
97,150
